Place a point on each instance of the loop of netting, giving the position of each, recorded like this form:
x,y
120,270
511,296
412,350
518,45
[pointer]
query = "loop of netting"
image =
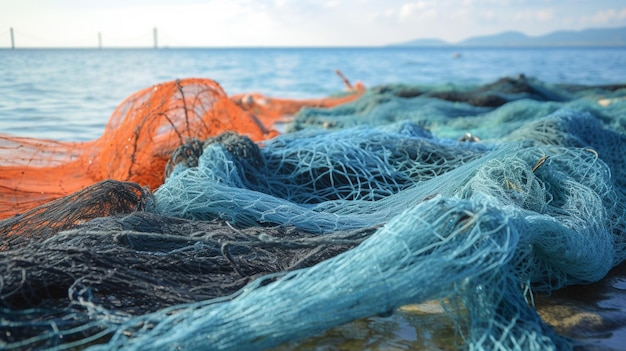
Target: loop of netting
x,y
282,237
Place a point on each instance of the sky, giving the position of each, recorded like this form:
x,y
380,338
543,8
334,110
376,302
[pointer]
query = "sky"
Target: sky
x,y
289,23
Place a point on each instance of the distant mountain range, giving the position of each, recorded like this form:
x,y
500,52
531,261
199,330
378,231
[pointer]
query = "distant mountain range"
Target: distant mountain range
x,y
587,37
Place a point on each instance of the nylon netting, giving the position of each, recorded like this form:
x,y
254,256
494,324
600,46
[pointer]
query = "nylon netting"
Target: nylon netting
x,y
314,182
80,282
137,142
103,199
135,145
249,244
451,111
269,110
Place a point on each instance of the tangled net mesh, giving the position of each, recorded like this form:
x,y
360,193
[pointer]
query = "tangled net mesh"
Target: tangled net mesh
x,y
138,140
249,244
136,143
83,281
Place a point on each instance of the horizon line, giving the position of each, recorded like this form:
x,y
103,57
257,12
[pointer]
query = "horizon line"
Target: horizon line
x,y
440,43
384,46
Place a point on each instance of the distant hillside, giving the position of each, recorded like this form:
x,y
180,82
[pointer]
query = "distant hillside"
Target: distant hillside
x,y
502,39
588,37
425,42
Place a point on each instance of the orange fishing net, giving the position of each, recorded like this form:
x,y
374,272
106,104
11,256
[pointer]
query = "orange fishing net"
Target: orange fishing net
x,y
137,142
271,110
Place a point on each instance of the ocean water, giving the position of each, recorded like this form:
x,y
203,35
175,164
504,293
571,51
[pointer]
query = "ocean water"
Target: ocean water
x,y
69,94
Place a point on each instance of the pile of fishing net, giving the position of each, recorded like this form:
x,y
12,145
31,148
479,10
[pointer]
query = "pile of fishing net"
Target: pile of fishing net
x,y
406,195
490,111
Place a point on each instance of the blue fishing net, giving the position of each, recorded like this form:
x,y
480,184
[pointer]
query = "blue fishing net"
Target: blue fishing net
x,y
479,198
314,180
540,209
505,233
520,100
537,206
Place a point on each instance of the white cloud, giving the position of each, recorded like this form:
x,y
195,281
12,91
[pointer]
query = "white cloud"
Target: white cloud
x,y
544,15
331,4
280,3
291,22
417,10
608,16
537,15
492,2
488,15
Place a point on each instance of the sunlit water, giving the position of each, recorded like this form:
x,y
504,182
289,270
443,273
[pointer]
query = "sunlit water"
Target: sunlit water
x,y
70,94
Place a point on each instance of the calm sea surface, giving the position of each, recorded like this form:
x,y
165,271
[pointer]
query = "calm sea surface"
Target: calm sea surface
x,y
70,94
